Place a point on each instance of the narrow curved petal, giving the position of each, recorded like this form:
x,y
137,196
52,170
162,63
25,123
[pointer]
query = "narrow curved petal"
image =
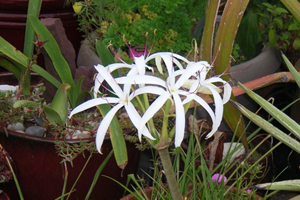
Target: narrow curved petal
x,y
140,64
97,83
135,119
153,108
227,87
218,105
102,130
188,73
180,120
170,68
93,102
226,93
110,80
115,66
148,89
206,107
158,64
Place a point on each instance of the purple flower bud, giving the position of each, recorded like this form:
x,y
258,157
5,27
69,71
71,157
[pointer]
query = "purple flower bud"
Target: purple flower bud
x,y
138,51
218,178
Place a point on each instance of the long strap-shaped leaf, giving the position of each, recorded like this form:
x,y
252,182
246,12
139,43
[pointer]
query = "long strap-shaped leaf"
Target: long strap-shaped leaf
x,y
231,18
280,116
294,7
11,52
34,7
289,185
208,32
267,126
59,62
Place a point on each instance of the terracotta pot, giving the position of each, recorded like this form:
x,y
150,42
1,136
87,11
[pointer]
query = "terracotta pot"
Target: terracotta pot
x,y
13,14
40,172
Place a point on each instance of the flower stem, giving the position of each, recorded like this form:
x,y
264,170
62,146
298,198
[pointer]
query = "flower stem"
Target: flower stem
x,y
170,174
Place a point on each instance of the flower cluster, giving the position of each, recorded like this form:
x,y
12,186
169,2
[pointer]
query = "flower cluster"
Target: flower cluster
x,y
185,80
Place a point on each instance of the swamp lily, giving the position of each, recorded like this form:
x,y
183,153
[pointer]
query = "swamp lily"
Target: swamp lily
x,y
185,79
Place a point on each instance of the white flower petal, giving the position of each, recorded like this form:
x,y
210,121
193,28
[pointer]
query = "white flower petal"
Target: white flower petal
x,y
102,130
205,105
153,108
93,102
141,64
180,120
104,71
148,89
135,119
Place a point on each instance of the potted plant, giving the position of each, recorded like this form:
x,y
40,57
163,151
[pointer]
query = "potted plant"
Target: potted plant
x,y
69,92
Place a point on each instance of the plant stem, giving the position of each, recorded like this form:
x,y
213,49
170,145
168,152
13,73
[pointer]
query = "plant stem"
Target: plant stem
x,y
170,174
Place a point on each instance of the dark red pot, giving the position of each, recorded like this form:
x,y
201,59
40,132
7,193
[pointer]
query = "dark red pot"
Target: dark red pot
x,y
40,173
13,14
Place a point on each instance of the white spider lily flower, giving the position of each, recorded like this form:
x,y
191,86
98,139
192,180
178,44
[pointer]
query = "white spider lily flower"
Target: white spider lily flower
x,y
181,87
122,99
201,84
173,90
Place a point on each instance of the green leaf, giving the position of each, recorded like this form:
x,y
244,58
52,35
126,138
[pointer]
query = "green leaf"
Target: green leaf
x,y
293,27
34,7
249,33
278,21
60,64
223,46
208,32
116,133
116,137
6,64
296,44
105,56
59,103
11,52
272,38
279,11
267,5
289,185
26,103
79,94
98,173
292,69
280,116
294,7
52,116
272,130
